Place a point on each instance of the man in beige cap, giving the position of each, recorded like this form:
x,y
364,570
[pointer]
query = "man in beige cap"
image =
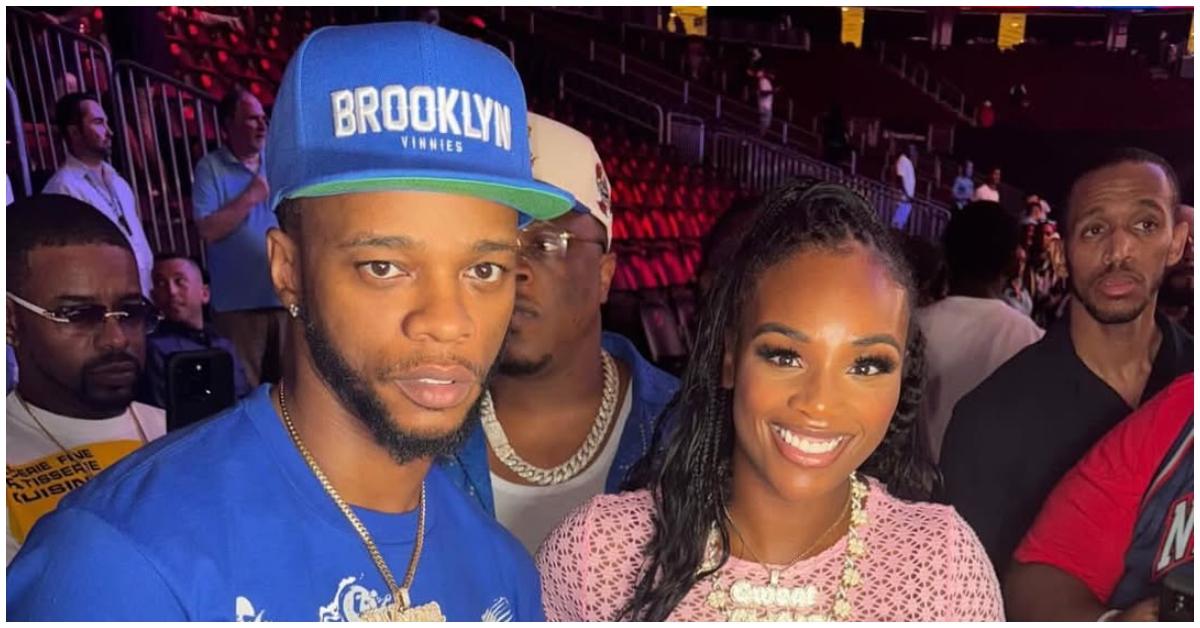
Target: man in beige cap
x,y
572,407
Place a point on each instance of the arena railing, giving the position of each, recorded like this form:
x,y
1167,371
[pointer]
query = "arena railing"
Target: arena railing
x,y
919,75
618,101
643,77
45,62
172,125
663,45
661,85
669,49
761,166
686,134
16,133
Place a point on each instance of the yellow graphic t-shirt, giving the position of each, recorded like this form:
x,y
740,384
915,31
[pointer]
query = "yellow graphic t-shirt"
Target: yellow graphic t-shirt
x,y
39,474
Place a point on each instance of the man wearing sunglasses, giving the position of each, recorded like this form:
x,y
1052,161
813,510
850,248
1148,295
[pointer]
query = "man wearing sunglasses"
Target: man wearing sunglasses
x,y
77,320
573,408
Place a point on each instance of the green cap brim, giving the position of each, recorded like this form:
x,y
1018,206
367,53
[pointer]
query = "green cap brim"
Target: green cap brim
x,y
536,200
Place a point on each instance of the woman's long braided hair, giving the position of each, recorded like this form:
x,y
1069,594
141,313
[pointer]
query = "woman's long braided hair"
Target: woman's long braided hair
x,y
690,476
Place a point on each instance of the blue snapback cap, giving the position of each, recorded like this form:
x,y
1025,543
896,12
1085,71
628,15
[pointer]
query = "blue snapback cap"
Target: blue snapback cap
x,y
404,106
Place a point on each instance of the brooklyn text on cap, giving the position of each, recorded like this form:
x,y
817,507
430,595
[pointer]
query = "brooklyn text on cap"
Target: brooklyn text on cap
x,y
566,158
404,106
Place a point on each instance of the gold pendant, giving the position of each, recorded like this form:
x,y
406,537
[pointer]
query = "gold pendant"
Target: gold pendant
x,y
746,601
430,611
772,596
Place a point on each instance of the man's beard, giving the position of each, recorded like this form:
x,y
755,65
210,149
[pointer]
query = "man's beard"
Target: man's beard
x,y
105,399
518,367
357,396
1115,316
101,151
512,366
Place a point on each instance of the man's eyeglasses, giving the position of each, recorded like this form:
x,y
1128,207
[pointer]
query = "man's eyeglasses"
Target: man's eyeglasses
x,y
542,241
134,316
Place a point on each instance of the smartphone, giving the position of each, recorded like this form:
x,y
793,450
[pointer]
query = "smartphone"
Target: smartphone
x,y
1176,601
199,385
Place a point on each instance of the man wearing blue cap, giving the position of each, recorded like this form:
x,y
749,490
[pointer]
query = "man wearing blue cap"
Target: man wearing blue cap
x,y
398,154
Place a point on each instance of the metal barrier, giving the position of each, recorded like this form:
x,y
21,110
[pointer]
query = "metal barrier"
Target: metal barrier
x,y
160,125
46,61
761,166
918,74
686,134
16,132
609,97
655,82
172,125
665,46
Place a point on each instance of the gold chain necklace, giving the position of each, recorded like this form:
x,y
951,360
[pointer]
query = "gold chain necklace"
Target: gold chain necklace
x,y
773,574
137,423
401,608
748,601
579,460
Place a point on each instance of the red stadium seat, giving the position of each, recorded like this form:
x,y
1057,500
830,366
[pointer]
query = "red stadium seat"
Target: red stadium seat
x,y
656,195
197,34
691,256
624,278
673,266
238,43
665,172
677,197
620,228
646,273
622,193
271,70
641,227
666,224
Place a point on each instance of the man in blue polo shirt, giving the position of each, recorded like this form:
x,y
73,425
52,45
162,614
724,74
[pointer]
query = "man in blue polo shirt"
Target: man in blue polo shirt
x,y
571,408
399,154
229,203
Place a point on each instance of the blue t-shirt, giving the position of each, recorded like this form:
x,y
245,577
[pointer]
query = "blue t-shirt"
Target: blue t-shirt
x,y
225,521
237,263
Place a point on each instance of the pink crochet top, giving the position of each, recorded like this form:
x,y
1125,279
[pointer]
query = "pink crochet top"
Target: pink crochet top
x,y
923,563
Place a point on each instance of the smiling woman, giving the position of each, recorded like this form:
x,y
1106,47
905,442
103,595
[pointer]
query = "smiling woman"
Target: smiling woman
x,y
772,497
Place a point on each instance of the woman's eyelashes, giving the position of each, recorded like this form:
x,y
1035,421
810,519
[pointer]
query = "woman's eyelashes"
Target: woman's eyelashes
x,y
779,356
863,366
870,365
